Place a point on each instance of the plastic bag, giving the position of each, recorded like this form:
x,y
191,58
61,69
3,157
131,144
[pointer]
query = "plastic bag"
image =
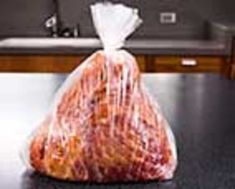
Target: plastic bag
x,y
103,125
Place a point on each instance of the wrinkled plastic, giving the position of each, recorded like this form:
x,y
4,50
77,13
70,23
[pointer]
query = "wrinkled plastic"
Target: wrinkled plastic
x,y
103,125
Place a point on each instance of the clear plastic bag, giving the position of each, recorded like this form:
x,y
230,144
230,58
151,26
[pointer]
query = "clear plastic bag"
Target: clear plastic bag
x,y
103,125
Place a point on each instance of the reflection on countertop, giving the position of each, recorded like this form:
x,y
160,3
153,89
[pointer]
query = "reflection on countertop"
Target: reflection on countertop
x,y
32,180
199,107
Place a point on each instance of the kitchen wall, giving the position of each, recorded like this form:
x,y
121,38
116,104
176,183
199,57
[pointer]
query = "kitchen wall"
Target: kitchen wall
x,y
217,10
189,23
26,17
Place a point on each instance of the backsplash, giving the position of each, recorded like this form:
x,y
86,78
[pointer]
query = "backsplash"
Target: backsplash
x,y
24,17
27,17
189,23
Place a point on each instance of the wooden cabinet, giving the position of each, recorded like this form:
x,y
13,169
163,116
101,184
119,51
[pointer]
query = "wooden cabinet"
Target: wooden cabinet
x,y
232,74
36,63
189,64
67,63
51,63
232,67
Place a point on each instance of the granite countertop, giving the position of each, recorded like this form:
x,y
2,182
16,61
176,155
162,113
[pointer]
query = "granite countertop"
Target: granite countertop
x,y
199,107
88,45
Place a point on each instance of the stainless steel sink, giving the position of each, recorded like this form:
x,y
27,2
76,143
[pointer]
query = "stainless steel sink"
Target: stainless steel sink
x,y
95,42
138,46
49,42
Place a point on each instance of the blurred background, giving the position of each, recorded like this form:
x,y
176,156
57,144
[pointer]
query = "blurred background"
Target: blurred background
x,y
26,18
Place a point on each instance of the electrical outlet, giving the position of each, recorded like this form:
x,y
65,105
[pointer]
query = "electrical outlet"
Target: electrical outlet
x,y
167,17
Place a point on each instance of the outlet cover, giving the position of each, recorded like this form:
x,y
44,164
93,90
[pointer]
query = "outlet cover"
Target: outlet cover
x,y
167,17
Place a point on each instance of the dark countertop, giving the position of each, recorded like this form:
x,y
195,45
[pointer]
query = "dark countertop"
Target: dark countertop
x,y
199,107
136,46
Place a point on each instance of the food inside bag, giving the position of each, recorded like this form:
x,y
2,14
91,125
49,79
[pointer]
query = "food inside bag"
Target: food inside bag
x,y
104,126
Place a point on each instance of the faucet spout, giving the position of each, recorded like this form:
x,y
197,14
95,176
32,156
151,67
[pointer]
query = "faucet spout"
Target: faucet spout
x,y
52,25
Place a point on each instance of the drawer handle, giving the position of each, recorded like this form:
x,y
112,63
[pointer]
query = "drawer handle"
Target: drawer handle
x,y
188,62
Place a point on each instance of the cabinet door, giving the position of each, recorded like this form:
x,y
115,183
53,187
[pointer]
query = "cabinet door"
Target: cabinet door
x,y
48,63
140,59
60,63
189,64
232,71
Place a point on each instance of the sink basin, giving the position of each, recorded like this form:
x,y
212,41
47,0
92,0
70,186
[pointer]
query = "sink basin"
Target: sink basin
x,y
49,42
87,45
95,42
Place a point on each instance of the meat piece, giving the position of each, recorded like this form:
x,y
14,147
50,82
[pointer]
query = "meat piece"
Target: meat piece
x,y
104,127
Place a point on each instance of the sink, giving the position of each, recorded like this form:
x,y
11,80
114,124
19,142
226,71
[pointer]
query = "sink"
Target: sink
x,y
49,42
87,45
95,42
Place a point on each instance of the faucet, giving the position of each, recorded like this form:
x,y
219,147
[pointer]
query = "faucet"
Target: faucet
x,y
52,24
55,26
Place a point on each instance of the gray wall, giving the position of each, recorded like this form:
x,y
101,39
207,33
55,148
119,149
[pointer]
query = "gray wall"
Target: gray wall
x,y
26,17
190,24
216,10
